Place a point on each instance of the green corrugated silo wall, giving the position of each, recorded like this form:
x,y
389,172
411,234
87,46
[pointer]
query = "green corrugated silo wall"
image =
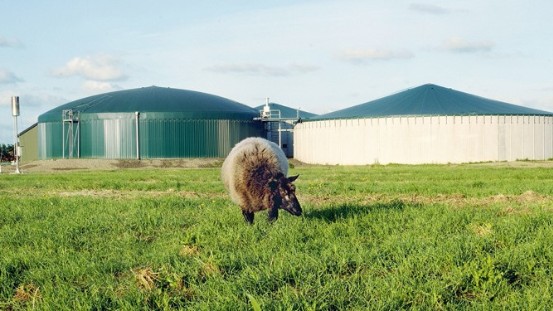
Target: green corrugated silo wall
x,y
165,138
115,138
110,137
50,140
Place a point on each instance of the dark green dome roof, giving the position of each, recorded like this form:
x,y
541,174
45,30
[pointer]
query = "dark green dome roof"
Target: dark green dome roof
x,y
159,101
431,100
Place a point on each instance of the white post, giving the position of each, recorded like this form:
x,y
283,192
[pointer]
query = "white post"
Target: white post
x,y
279,135
15,113
79,135
63,135
137,115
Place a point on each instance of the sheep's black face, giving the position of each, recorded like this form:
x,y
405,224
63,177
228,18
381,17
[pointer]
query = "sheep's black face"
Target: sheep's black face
x,y
287,193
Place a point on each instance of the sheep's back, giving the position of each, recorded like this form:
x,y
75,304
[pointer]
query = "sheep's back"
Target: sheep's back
x,y
252,158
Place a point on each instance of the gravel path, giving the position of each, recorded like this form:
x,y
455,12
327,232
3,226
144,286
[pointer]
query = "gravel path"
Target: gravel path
x,y
104,164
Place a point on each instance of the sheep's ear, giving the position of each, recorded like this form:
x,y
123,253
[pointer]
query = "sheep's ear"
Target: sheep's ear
x,y
293,178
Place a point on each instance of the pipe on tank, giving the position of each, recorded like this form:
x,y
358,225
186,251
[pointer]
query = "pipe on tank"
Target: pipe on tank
x,y
137,119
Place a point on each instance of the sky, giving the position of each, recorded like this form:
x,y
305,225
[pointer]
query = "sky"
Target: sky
x,y
316,55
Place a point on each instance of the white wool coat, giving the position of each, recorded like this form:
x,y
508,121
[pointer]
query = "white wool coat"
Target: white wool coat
x,y
250,154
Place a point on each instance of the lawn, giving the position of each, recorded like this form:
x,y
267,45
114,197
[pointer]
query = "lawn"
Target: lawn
x,y
473,236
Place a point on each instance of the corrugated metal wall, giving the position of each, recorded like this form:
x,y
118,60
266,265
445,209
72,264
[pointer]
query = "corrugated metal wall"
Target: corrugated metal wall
x,y
193,138
286,136
28,142
50,140
417,140
159,137
111,139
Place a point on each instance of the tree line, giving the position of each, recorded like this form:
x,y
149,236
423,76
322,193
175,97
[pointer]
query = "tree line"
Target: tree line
x,y
6,153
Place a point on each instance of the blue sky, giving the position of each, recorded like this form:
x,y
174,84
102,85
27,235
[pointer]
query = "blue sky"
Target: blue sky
x,y
319,56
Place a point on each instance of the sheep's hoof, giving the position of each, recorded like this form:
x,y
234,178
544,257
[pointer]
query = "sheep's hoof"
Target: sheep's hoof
x,y
248,217
273,215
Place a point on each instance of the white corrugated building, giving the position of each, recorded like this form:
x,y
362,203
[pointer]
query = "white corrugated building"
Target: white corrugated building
x,y
426,124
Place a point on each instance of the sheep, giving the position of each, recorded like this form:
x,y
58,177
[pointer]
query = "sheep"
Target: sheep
x,y
254,174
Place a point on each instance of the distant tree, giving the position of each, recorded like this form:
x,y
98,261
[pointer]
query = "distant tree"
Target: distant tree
x,y
6,153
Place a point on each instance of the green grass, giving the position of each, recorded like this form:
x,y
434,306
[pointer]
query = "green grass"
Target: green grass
x,y
374,237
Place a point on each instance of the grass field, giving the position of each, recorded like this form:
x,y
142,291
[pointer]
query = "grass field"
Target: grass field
x,y
429,237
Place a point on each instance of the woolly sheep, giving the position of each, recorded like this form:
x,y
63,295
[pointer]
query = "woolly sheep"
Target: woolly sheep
x,y
254,173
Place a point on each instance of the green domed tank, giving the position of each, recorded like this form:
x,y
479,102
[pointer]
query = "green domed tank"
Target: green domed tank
x,y
149,122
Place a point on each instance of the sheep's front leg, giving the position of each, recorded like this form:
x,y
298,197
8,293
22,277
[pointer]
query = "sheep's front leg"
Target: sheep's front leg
x,y
273,214
248,216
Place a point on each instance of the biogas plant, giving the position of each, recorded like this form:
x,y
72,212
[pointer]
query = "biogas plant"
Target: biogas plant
x,y
425,124
149,122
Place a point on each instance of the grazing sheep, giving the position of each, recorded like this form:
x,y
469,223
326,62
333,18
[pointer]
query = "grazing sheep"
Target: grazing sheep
x,y
254,173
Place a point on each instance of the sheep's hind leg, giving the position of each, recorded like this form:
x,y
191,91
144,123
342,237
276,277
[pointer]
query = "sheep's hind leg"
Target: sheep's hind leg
x,y
273,214
248,216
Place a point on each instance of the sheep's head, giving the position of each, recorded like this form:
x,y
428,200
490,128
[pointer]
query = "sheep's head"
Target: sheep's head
x,y
284,194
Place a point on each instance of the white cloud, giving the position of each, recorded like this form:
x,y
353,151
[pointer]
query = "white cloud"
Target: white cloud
x,y
98,68
428,8
459,45
263,70
9,43
298,68
99,86
7,77
364,55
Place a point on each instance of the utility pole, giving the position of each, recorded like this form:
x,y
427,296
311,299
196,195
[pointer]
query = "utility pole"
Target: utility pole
x,y
15,114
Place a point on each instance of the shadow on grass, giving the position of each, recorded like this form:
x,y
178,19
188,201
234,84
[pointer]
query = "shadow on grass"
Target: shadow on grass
x,y
335,213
